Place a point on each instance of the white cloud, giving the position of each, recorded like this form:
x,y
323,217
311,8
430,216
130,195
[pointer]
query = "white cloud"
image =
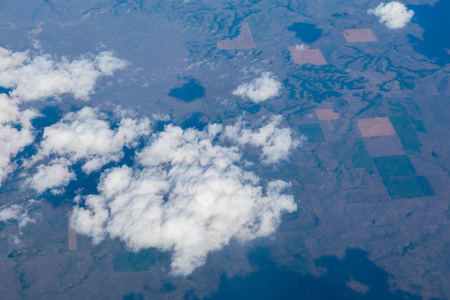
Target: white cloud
x,y
161,117
18,213
190,195
86,135
108,64
52,176
393,14
40,77
15,133
11,213
259,89
276,143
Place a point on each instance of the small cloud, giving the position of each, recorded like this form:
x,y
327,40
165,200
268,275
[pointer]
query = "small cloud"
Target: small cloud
x,y
12,212
161,117
393,14
85,136
259,89
276,143
18,213
42,76
52,176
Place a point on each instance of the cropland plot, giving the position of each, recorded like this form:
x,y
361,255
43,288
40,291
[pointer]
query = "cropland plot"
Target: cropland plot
x,y
408,187
312,131
375,127
359,35
388,145
406,133
391,166
361,157
127,261
326,114
302,55
72,235
243,41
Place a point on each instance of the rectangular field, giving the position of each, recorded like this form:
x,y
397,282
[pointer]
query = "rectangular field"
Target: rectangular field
x,y
391,166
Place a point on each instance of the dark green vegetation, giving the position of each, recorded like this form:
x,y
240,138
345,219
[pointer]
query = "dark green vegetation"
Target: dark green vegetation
x,y
312,131
126,261
361,157
406,133
390,166
308,33
408,187
398,178
188,92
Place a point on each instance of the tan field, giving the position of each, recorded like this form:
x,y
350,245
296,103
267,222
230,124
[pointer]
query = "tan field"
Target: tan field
x,y
359,35
243,41
307,56
72,236
376,127
326,114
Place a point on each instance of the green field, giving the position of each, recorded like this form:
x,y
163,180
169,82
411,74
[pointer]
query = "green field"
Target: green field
x,y
390,166
406,133
361,157
312,131
127,261
408,187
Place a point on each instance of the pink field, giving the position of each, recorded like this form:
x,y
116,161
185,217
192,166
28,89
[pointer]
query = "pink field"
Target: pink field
x,y
243,41
307,56
326,114
376,127
72,236
359,35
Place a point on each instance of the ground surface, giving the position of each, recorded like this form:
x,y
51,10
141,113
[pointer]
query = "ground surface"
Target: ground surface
x,y
373,197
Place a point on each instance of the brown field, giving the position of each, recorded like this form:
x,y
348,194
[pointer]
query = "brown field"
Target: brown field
x,y
243,41
359,35
376,127
307,56
388,145
72,236
326,114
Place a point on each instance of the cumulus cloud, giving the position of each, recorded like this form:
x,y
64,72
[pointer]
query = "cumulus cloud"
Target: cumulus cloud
x,y
40,77
52,176
11,213
161,117
190,194
393,14
259,89
85,136
16,133
18,213
276,143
